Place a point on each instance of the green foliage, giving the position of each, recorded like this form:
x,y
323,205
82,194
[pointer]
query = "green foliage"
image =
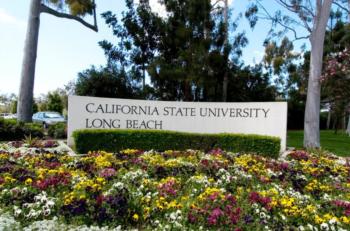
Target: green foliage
x,y
335,79
14,107
251,84
29,140
76,7
104,82
116,140
58,131
185,54
11,130
54,102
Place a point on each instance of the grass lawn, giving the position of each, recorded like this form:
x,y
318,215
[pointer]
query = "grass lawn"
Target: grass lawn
x,y
337,143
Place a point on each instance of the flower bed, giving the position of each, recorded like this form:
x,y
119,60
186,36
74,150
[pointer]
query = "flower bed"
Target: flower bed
x,y
173,190
34,146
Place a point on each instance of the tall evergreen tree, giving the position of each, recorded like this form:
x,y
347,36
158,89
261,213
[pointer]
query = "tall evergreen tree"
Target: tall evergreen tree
x,y
185,55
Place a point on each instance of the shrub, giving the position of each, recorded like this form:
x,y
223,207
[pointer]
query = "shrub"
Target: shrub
x,y
58,131
116,140
11,130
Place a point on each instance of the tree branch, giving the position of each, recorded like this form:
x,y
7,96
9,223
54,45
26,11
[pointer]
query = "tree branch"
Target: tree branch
x,y
341,7
293,8
278,21
215,3
302,12
48,10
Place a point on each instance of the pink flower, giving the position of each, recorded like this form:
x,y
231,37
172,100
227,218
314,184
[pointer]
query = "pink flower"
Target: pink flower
x,y
214,216
108,172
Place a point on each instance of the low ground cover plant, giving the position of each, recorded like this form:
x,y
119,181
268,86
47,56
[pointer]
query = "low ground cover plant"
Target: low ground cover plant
x,y
174,190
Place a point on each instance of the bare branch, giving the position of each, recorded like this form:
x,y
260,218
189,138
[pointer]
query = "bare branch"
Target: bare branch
x,y
281,23
48,10
215,3
341,7
292,8
303,13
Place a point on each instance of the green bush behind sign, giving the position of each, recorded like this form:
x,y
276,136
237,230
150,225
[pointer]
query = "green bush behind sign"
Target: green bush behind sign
x,y
114,140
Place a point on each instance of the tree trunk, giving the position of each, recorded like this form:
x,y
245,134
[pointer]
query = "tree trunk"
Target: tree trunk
x,y
312,109
143,77
348,128
329,118
25,98
187,91
225,82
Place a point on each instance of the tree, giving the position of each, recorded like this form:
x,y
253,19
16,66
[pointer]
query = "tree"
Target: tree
x,y
54,102
6,102
186,54
313,16
14,107
77,8
336,83
280,61
35,107
105,82
250,84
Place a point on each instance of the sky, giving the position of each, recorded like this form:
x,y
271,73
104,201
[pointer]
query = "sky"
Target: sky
x,y
67,48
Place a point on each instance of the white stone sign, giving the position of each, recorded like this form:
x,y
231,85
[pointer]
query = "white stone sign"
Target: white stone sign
x,y
268,118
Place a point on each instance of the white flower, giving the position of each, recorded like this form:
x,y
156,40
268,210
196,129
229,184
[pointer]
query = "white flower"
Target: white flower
x,y
283,217
178,212
50,203
177,225
46,212
118,185
333,221
156,222
324,226
17,212
173,216
262,215
326,197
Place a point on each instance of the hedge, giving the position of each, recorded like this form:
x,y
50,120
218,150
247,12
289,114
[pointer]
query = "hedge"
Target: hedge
x,y
58,131
114,140
11,130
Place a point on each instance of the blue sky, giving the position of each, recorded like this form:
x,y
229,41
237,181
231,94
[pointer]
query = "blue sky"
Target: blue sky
x,y
66,47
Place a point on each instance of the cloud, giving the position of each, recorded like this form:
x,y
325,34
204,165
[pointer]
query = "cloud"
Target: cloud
x,y
160,9
6,18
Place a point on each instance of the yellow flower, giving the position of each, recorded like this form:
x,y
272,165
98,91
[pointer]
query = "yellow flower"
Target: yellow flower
x,y
345,220
319,220
28,181
9,179
146,212
52,171
273,203
129,151
135,217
